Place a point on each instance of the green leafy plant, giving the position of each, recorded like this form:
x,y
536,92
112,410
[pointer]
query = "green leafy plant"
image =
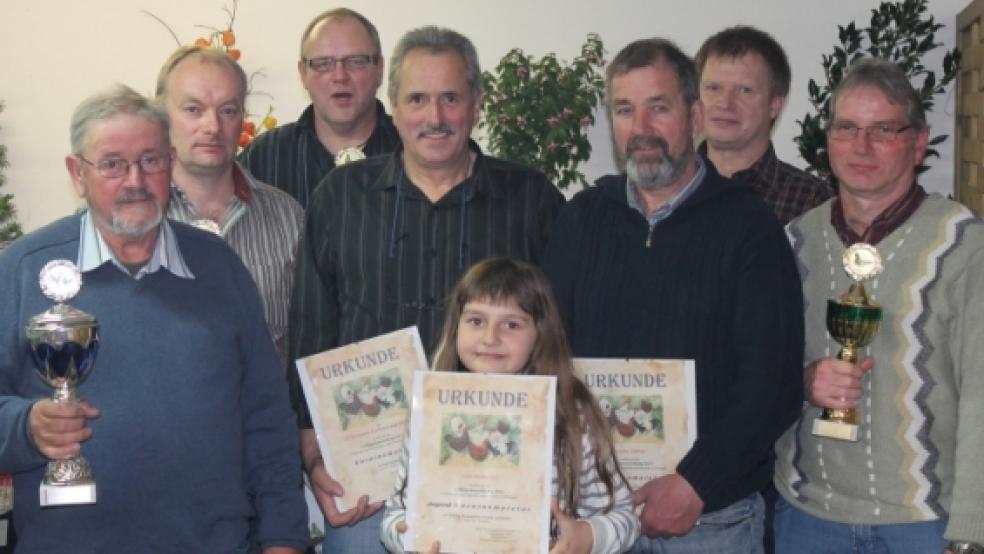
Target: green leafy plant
x,y
537,112
9,228
899,31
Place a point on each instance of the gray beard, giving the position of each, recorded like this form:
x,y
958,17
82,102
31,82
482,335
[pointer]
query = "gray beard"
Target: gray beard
x,y
124,229
651,175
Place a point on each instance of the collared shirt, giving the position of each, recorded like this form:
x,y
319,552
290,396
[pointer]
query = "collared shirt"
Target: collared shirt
x,y
887,221
293,159
377,255
788,190
664,211
94,252
263,225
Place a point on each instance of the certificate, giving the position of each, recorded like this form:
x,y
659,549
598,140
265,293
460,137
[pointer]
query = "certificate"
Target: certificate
x,y
358,398
481,455
651,408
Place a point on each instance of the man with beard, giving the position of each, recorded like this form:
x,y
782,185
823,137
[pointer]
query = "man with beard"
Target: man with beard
x,y
185,419
341,67
671,260
385,239
204,92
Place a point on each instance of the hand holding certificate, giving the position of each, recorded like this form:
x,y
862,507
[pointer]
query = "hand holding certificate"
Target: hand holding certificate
x,y
358,398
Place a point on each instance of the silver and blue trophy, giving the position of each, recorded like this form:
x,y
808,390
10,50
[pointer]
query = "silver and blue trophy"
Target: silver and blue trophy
x,y
63,342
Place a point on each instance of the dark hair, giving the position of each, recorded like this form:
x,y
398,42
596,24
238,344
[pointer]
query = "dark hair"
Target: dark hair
x,y
654,51
342,13
735,42
499,280
887,77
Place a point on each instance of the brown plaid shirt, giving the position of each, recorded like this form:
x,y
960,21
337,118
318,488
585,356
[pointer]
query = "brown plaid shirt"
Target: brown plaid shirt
x,y
788,190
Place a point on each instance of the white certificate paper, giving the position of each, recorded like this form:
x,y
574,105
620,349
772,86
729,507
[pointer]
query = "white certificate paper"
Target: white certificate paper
x,y
358,396
651,408
481,456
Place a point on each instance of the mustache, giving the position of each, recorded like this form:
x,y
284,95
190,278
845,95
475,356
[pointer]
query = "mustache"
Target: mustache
x,y
435,129
646,142
134,195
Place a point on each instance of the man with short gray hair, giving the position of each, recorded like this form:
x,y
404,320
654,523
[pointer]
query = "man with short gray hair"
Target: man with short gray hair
x,y
185,419
386,239
671,260
911,481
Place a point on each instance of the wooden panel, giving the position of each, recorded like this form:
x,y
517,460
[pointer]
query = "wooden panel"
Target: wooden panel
x,y
969,135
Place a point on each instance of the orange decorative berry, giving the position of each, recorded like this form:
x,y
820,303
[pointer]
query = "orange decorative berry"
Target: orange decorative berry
x,y
249,127
244,139
203,42
228,38
234,53
269,122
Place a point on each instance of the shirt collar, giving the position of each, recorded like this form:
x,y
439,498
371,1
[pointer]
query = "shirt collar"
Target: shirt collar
x,y
478,180
668,208
889,220
94,252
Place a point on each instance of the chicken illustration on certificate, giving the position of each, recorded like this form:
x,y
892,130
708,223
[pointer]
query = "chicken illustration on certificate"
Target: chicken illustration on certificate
x,y
358,396
481,453
651,408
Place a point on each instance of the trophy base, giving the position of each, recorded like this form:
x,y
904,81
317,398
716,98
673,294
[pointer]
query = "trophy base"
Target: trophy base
x,y
67,495
835,430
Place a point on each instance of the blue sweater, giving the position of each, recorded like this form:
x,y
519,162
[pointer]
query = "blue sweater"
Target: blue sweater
x,y
715,282
196,435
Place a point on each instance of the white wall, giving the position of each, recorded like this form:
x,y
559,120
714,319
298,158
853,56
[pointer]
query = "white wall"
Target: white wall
x,y
56,52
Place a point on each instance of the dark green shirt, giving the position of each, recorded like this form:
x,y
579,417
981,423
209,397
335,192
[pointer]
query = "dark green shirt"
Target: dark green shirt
x,y
376,255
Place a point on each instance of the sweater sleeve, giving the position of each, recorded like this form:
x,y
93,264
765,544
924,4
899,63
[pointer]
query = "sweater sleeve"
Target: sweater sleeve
x,y
966,521
396,510
17,449
615,525
271,453
765,393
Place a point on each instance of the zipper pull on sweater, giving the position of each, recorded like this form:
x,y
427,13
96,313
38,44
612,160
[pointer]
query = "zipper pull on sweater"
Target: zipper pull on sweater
x,y
649,236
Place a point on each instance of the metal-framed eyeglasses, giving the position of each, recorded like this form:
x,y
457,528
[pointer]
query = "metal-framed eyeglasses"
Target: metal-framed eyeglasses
x,y
355,62
882,133
149,163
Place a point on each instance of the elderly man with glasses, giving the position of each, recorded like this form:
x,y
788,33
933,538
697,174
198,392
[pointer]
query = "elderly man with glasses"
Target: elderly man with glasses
x,y
185,420
341,67
902,474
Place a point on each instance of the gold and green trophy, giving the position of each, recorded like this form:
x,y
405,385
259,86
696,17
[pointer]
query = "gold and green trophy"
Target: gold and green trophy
x,y
852,321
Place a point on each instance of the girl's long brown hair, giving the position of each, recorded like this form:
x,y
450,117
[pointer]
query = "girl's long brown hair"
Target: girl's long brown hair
x,y
498,280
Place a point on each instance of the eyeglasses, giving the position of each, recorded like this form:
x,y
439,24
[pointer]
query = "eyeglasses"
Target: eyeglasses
x,y
355,62
876,133
149,163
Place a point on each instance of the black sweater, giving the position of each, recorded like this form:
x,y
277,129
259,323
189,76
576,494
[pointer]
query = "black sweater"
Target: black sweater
x,y
715,282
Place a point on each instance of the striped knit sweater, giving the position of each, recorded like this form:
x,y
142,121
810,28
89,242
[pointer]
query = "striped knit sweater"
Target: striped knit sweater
x,y
614,530
921,441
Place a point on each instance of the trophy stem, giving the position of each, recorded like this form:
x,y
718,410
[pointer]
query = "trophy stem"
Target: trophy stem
x,y
65,393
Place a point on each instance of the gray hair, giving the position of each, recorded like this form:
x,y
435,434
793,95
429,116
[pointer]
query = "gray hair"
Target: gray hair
x,y
888,78
205,54
435,40
342,13
120,99
655,51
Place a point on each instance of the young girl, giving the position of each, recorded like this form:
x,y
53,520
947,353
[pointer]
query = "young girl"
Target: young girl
x,y
501,318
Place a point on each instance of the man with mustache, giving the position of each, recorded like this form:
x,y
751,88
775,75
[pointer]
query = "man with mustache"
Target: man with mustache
x,y
341,67
386,238
204,92
671,260
744,80
185,418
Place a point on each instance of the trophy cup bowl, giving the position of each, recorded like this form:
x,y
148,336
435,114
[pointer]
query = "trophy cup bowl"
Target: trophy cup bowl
x,y
853,325
63,345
